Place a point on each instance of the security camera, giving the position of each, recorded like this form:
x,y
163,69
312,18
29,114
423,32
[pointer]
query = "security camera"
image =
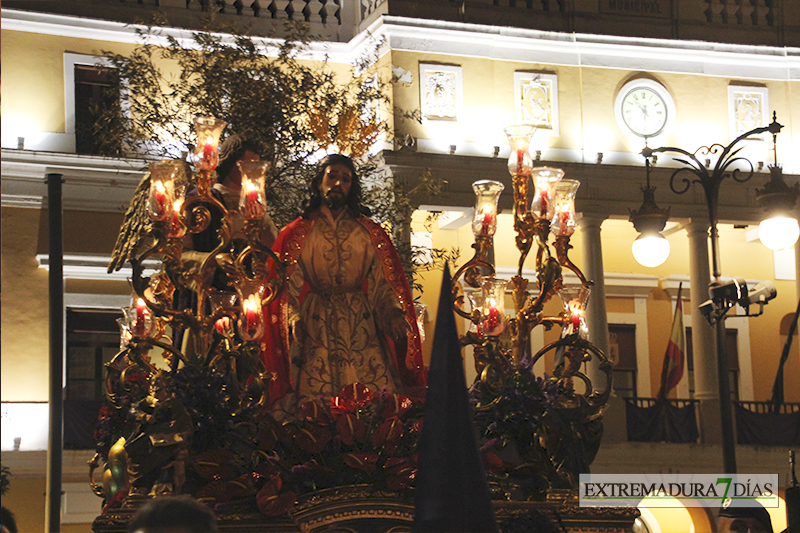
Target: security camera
x,y
707,307
728,292
762,293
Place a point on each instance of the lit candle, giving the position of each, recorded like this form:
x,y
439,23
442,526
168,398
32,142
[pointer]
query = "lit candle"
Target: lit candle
x,y
160,198
222,325
520,160
251,306
208,149
488,220
176,228
141,310
577,313
492,321
543,200
254,208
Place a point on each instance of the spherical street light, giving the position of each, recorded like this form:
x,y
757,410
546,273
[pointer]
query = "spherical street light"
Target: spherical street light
x,y
650,249
779,232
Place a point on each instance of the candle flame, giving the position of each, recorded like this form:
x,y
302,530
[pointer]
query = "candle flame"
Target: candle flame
x,y
210,140
252,303
576,308
251,186
177,205
160,186
140,303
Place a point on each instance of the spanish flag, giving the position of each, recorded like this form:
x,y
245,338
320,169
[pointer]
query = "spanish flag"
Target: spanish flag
x,y
672,370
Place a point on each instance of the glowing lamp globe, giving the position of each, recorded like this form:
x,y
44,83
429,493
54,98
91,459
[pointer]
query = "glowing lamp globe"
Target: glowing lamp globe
x,y
779,233
650,250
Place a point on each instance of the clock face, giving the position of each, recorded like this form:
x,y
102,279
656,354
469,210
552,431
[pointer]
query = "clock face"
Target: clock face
x,y
644,111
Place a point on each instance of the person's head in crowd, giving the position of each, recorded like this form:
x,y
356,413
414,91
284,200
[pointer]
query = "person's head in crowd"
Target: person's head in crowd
x,y
232,150
7,521
173,514
336,184
744,520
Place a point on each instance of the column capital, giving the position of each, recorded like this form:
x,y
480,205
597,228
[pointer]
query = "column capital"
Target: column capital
x,y
697,225
591,220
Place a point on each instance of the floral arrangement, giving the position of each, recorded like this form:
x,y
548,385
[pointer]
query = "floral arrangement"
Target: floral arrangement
x,y
240,464
511,430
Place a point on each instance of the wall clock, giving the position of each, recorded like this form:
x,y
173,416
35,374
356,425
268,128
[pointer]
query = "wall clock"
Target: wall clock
x,y
645,108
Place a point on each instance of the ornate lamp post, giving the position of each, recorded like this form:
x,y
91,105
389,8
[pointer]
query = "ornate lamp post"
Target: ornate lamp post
x,y
724,295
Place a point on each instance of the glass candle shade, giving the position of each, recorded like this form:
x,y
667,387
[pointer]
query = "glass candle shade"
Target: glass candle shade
x,y
519,138
223,303
251,312
125,335
163,189
475,298
574,300
484,221
494,294
545,181
252,201
206,151
140,319
563,223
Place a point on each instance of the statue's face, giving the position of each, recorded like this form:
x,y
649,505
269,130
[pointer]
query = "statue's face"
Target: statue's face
x,y
335,186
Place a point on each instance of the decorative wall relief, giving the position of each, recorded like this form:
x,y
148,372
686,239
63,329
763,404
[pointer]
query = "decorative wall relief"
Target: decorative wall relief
x,y
536,100
440,91
748,108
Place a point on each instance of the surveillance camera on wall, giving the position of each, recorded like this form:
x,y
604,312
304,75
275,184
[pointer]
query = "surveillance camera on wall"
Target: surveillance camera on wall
x,y
728,293
761,294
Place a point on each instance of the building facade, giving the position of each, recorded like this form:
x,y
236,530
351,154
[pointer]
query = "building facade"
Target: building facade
x,y
469,68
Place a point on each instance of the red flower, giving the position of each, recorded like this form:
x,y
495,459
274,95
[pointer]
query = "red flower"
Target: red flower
x,y
213,464
350,429
388,432
241,486
270,435
313,440
493,462
314,412
395,405
339,406
266,469
361,460
270,503
356,394
214,492
416,426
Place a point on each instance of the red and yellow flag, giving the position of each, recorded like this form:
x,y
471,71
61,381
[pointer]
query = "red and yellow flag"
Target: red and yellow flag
x,y
672,371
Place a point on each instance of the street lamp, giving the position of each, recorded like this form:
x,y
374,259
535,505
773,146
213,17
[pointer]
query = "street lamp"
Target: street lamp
x,y
651,248
724,295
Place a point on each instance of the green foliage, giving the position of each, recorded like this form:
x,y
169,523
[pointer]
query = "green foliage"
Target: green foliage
x,y
266,98
5,473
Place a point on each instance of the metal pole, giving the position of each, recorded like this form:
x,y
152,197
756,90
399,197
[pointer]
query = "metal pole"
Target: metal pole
x,y
56,290
725,411
726,418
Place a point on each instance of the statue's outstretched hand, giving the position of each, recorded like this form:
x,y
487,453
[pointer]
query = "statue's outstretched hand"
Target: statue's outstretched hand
x,y
398,328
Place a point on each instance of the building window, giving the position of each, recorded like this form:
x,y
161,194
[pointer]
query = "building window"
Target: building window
x,y
92,340
97,92
732,352
623,352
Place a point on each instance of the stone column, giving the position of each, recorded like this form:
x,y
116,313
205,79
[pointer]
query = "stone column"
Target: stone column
x,y
706,387
596,315
614,422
